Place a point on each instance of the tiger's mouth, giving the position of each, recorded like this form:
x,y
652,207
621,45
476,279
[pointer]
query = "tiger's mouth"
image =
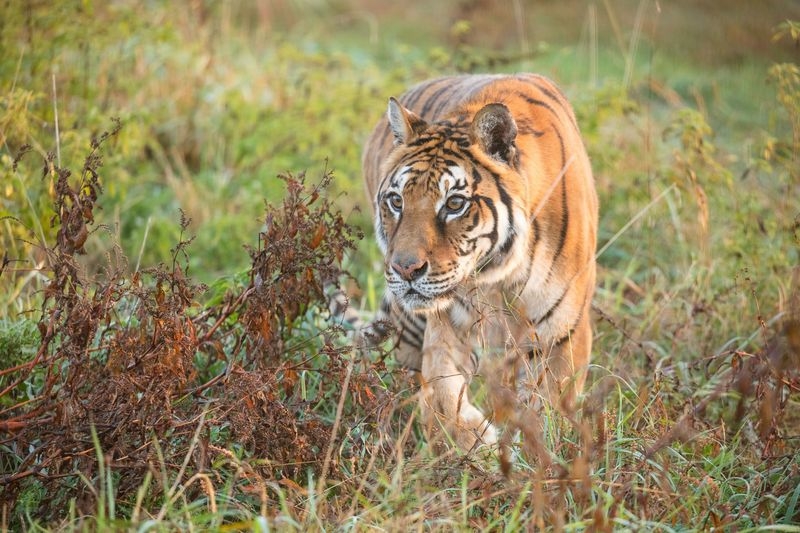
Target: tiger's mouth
x,y
413,300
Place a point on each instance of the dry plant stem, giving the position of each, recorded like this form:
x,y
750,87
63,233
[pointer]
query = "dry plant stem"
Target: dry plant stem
x,y
207,484
190,450
26,366
173,493
55,113
362,483
633,220
335,430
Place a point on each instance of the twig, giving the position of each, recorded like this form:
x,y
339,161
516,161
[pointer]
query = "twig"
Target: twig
x,y
55,112
172,496
336,423
633,220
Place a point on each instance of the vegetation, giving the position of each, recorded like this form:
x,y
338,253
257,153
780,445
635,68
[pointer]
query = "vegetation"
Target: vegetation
x,y
181,190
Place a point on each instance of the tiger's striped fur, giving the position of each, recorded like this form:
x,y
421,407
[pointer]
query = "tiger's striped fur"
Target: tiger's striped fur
x,y
486,212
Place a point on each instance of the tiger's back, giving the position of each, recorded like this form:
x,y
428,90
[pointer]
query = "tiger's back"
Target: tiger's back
x,y
486,211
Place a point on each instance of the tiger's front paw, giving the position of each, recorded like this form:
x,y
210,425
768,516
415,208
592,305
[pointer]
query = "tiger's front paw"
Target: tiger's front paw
x,y
468,430
472,429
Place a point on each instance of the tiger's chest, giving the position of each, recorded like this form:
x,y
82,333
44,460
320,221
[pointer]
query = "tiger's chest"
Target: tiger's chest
x,y
493,319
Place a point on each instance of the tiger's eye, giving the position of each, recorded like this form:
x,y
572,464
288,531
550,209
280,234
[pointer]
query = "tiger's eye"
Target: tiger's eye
x,y
455,203
395,201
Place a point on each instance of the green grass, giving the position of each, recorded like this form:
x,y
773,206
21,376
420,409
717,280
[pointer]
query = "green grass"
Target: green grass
x,y
691,416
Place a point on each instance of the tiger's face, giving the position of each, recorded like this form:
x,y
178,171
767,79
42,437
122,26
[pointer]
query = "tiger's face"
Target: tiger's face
x,y
443,212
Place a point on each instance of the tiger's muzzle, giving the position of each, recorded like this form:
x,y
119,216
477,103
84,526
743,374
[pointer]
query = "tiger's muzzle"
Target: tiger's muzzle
x,y
415,287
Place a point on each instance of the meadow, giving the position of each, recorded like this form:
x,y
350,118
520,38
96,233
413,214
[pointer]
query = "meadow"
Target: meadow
x,y
181,187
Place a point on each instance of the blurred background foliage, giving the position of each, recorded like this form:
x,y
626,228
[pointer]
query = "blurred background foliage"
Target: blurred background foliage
x,y
217,98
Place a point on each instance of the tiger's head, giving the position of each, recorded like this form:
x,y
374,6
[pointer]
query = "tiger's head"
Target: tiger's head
x,y
450,205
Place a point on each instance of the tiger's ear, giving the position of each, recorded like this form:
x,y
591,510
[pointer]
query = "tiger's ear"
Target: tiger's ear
x,y
494,130
405,124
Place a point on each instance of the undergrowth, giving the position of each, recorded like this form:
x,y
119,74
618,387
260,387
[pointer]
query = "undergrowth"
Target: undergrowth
x,y
133,380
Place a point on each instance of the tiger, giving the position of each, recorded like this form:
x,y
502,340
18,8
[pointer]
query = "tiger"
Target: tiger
x,y
486,213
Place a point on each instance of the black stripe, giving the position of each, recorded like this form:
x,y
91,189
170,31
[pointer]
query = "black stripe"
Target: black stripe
x,y
536,230
553,307
525,127
464,88
441,106
562,233
512,236
410,340
458,155
386,305
441,224
387,131
564,339
577,321
408,331
425,112
410,99
540,103
422,141
506,199
489,203
475,219
493,235
410,323
455,90
560,101
396,226
480,83
561,147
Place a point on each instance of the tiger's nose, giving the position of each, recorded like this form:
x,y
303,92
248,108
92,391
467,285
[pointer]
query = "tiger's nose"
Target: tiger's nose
x,y
409,268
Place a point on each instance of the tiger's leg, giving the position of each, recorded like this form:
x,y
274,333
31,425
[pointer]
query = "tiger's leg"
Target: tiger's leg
x,y
566,367
409,334
447,368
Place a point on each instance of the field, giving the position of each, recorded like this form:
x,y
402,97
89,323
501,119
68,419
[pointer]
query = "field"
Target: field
x,y
181,188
